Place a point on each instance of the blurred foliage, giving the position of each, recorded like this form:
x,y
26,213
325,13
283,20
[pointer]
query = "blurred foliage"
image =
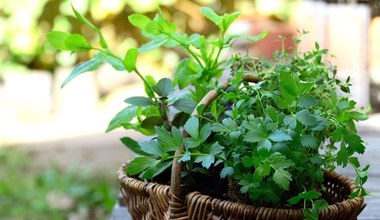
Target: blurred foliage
x,y
24,24
52,193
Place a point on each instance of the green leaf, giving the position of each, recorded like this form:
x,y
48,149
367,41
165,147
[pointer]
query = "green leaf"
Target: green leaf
x,y
89,65
279,136
282,178
180,119
226,171
161,167
140,21
247,161
139,101
153,44
263,170
169,141
102,41
306,118
115,62
186,72
304,195
355,143
217,127
130,58
151,147
229,123
216,148
192,127
133,146
205,160
185,157
309,141
289,84
307,101
359,116
290,121
124,116
184,104
76,42
205,133
164,87
151,122
57,39
211,15
258,37
228,19
139,164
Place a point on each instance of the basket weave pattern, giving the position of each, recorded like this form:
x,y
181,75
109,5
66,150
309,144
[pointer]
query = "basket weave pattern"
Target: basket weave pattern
x,y
148,200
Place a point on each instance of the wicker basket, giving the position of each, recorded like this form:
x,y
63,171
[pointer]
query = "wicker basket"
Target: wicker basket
x,y
148,200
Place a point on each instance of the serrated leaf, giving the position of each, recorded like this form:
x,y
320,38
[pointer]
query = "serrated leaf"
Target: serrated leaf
x,y
228,19
306,118
133,146
185,105
77,42
57,39
205,160
169,141
355,143
307,101
226,171
191,143
279,136
216,148
124,116
164,87
309,141
217,127
254,137
140,21
87,66
290,121
151,122
282,178
139,101
130,58
139,164
151,147
192,127
185,157
229,123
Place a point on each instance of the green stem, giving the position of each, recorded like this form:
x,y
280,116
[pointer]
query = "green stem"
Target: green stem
x,y
186,47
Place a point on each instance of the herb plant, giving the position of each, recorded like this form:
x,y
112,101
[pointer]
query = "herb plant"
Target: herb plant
x,y
272,140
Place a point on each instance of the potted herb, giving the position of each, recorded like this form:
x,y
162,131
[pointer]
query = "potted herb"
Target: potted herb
x,y
264,144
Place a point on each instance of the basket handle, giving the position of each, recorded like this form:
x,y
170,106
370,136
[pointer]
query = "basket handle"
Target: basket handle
x,y
176,201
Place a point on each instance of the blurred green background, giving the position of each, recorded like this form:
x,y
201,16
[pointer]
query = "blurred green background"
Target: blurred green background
x,y
56,162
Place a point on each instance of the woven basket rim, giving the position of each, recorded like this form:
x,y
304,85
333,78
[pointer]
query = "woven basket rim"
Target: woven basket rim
x,y
126,180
